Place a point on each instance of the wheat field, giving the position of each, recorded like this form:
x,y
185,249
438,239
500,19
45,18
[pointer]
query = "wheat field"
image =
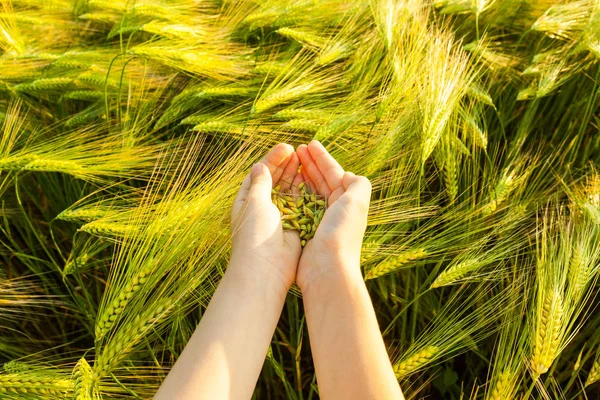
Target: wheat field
x,y
128,126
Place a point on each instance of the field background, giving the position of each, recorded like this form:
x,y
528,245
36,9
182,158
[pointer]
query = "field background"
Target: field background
x,y
128,126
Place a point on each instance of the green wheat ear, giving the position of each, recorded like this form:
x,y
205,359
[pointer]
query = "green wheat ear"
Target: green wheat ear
x,y
127,128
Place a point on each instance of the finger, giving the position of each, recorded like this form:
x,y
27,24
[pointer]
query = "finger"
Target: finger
x,y
307,181
329,167
276,160
335,195
348,179
289,173
241,196
358,188
311,170
298,179
262,182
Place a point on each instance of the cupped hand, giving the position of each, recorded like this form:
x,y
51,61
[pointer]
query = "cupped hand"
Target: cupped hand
x,y
260,244
335,248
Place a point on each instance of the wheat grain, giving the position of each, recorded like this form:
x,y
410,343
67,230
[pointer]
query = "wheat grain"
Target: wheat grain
x,y
591,211
270,67
74,264
50,165
505,186
44,84
415,361
83,214
303,125
302,113
86,95
302,213
451,176
15,366
579,271
110,229
114,309
68,62
548,331
594,375
301,36
394,263
108,5
223,91
97,80
368,251
455,272
501,390
333,53
128,336
91,114
152,10
106,18
169,30
84,382
281,96
36,383
15,163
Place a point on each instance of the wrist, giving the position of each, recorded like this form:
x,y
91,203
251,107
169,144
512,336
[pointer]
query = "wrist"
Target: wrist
x,y
332,278
249,275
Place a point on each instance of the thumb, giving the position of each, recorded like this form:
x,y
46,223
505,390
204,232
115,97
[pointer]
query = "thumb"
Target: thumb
x,y
262,182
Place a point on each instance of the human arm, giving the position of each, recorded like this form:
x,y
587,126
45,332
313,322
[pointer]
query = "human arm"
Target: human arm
x,y
225,354
350,358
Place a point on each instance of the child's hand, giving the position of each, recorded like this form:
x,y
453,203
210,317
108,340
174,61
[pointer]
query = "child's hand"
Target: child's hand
x,y
260,244
337,243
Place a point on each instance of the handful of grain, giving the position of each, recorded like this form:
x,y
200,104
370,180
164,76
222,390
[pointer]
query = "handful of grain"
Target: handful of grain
x,y
301,212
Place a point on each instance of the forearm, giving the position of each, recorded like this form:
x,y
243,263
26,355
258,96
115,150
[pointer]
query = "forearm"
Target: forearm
x,y
350,358
224,357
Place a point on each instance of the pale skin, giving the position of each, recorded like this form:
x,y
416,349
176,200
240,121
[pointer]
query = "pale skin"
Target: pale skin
x,y
224,357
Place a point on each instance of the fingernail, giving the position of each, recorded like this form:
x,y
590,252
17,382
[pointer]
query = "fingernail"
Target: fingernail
x,y
256,169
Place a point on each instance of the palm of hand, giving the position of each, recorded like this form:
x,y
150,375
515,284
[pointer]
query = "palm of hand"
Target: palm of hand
x,y
338,239
259,240
258,237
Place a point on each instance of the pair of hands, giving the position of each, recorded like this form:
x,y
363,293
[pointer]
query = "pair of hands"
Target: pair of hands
x,y
261,244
